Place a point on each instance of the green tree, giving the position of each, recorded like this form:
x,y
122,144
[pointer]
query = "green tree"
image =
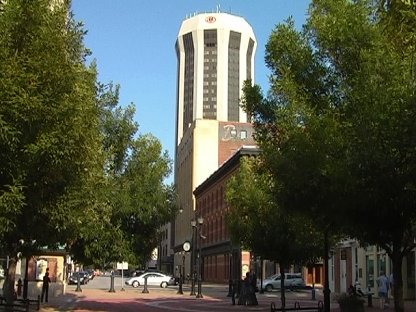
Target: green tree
x,y
299,134
49,127
143,202
379,103
73,170
134,200
337,127
258,224
105,243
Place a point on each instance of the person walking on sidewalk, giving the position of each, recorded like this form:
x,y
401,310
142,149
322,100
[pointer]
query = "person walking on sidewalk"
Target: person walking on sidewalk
x,y
383,289
45,286
391,284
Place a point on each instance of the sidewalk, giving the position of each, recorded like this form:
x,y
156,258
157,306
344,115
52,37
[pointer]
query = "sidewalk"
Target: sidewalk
x,y
158,299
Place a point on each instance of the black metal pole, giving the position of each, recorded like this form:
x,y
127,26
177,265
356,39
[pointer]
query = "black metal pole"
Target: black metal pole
x,y
160,256
112,283
230,279
78,289
261,276
145,290
199,294
183,268
193,263
26,281
180,291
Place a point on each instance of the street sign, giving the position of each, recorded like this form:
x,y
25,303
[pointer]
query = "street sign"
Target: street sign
x,y
122,265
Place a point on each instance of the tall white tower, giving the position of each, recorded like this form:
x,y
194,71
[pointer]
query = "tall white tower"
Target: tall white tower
x,y
215,54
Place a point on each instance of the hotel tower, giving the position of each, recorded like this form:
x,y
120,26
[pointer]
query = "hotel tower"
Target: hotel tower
x,y
215,54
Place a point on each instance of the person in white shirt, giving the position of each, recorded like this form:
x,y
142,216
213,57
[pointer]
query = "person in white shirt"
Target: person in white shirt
x,y
391,284
383,288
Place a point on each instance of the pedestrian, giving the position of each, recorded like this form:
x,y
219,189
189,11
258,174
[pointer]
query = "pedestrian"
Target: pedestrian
x,y
45,286
233,292
242,298
351,290
391,283
247,294
383,289
252,288
253,281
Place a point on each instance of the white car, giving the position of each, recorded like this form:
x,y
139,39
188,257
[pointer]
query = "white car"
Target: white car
x,y
153,279
292,281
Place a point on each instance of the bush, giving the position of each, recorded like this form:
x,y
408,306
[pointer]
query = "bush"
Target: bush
x,y
350,303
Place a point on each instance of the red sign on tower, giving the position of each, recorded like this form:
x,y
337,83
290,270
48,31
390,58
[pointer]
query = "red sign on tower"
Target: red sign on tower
x,y
210,19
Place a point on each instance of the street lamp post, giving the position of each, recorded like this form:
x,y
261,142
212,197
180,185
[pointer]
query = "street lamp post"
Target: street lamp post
x,y
193,224
186,247
261,276
200,222
183,268
26,280
181,273
230,278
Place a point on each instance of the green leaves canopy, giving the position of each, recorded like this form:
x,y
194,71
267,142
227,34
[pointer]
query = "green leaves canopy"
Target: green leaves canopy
x,y
133,201
337,128
49,137
258,224
72,167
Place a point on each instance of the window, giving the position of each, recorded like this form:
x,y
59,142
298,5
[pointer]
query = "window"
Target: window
x,y
243,134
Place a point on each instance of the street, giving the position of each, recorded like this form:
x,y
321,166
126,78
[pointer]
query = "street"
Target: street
x,y
95,296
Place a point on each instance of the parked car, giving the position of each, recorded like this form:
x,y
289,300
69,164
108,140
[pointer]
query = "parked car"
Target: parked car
x,y
153,279
90,273
139,272
292,281
82,276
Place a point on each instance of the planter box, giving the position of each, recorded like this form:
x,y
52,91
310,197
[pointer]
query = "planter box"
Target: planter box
x,y
351,303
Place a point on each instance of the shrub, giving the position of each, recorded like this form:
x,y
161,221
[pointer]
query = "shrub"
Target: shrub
x,y
350,303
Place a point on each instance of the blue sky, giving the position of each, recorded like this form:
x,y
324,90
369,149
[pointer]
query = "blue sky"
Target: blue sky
x,y
133,42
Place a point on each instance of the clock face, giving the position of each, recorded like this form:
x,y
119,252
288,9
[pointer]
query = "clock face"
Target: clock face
x,y
186,246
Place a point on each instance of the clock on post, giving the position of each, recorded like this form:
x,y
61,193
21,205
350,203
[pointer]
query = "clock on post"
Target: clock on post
x,y
186,246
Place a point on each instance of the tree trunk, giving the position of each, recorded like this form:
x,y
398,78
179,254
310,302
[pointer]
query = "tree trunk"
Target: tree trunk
x,y
327,291
397,259
282,286
8,286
